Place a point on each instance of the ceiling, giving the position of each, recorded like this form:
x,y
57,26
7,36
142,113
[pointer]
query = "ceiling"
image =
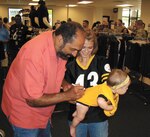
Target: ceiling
x,y
107,4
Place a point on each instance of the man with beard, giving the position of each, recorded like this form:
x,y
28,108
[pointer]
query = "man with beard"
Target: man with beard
x,y
32,86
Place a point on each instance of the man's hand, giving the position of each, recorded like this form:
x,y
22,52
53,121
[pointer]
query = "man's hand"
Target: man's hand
x,y
75,92
72,94
66,85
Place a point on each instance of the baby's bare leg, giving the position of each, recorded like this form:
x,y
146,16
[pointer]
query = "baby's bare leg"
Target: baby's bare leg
x,y
78,115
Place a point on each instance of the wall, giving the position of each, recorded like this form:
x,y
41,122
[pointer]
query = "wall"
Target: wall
x,y
145,10
3,11
59,13
108,12
87,13
97,14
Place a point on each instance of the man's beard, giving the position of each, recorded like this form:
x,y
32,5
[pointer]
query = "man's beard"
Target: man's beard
x,y
63,55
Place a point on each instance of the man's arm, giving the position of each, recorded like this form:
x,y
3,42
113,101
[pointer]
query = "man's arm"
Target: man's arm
x,y
36,21
72,94
46,22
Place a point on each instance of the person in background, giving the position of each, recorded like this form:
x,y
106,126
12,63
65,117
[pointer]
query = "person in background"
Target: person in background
x,y
63,21
12,22
88,70
69,20
57,25
18,37
96,27
33,83
131,26
32,15
104,27
4,33
119,26
106,96
43,16
6,24
85,25
140,32
4,38
125,31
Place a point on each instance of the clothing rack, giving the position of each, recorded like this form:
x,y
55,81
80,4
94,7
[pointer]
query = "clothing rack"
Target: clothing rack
x,y
137,61
109,46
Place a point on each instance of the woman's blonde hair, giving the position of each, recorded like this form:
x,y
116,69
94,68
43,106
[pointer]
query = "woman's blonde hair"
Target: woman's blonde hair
x,y
90,36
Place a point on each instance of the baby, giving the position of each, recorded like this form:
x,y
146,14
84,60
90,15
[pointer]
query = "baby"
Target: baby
x,y
104,95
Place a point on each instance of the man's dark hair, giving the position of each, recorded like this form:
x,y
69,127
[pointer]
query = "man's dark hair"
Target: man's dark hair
x,y
86,21
18,16
12,18
68,31
32,7
18,19
139,22
120,20
5,20
41,2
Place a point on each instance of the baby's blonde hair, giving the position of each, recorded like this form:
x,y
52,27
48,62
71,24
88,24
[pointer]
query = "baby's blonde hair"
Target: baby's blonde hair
x,y
116,77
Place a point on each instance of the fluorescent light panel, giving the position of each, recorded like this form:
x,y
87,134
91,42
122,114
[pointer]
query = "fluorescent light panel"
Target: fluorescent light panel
x,y
125,5
85,2
71,5
33,3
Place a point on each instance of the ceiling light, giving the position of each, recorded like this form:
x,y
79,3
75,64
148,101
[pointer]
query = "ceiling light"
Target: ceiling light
x,y
71,5
85,2
36,0
33,3
125,5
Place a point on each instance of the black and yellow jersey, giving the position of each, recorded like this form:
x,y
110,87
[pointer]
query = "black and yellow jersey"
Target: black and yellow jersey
x,y
96,72
102,90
